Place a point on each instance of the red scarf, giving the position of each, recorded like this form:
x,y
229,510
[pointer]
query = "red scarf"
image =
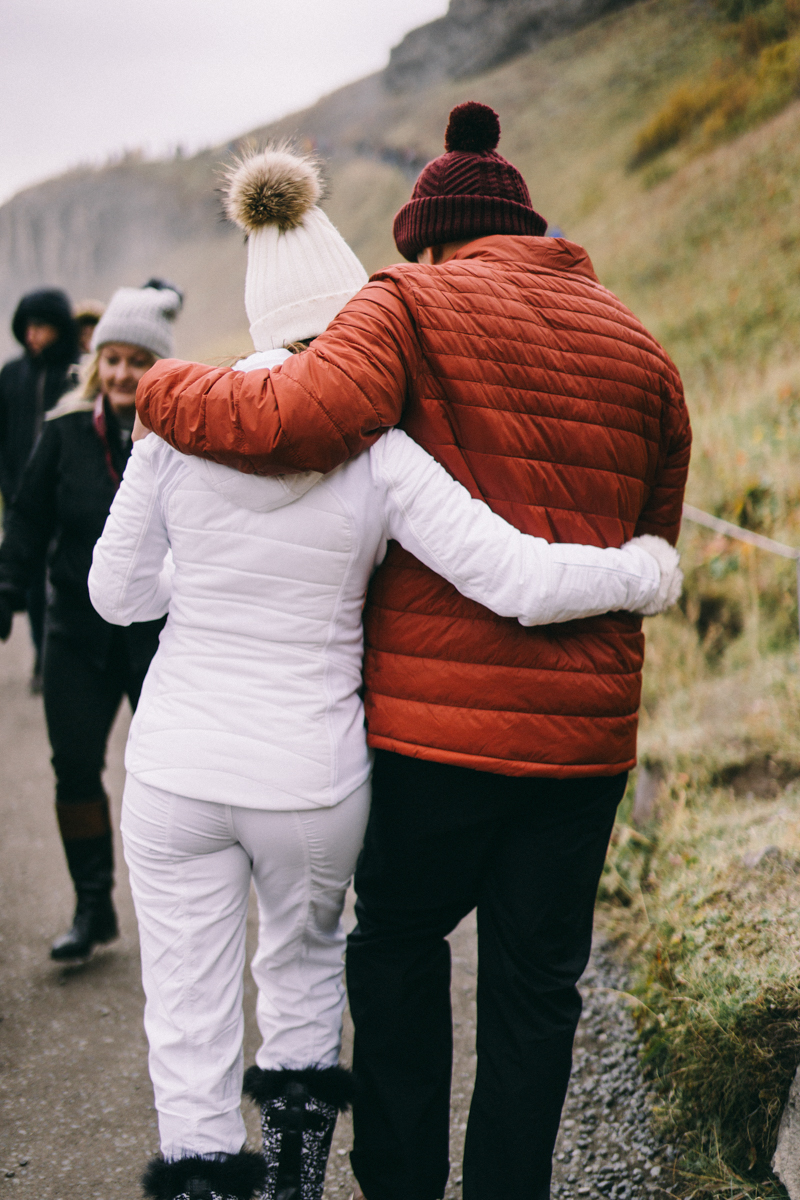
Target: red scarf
x,y
100,422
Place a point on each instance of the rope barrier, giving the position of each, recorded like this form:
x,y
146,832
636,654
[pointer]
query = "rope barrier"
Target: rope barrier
x,y
728,529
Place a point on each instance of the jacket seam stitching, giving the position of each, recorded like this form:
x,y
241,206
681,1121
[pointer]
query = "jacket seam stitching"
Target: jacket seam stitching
x,y
511,712
545,369
494,758
616,405
462,662
550,462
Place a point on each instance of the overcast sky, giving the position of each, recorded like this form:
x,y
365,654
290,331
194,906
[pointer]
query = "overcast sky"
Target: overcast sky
x,y
84,79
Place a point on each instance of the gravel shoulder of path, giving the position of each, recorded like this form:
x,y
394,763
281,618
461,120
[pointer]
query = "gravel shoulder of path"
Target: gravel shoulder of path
x,y
606,1144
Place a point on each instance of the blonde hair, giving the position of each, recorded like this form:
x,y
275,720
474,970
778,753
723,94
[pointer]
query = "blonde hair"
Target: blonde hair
x,y
90,378
89,375
229,360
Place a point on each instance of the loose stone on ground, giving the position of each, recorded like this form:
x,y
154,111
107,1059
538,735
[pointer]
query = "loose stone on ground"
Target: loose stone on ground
x,y
606,1146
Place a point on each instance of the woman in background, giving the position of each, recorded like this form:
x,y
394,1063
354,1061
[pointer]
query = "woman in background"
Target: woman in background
x,y
29,387
59,510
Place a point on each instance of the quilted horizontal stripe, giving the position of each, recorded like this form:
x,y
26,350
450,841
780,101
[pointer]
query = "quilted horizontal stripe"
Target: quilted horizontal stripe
x,y
521,768
430,616
592,401
508,688
561,741
548,399
426,631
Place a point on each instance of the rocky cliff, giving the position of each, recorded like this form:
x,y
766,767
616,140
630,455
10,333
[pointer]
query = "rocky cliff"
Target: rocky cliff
x,y
477,35
92,230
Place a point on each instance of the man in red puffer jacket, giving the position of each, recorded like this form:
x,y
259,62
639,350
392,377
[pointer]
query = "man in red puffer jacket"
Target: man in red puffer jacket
x,y
501,752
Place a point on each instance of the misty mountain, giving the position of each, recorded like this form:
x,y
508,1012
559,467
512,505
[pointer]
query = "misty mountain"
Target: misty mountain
x,y
93,229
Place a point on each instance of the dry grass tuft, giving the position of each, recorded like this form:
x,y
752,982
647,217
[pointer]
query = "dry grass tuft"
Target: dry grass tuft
x,y
739,90
706,898
683,110
711,921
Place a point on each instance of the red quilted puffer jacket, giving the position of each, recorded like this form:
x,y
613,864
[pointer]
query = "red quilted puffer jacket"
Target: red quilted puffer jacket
x,y
543,395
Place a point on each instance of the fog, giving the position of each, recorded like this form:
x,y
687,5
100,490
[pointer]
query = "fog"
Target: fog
x,y
84,80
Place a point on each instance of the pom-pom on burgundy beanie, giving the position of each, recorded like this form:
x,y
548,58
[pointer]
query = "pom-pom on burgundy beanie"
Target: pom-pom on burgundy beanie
x,y
470,191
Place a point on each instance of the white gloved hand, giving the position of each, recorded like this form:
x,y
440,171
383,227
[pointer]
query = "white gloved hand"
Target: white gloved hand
x,y
668,561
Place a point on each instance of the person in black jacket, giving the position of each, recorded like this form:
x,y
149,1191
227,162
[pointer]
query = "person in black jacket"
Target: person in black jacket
x,y
29,387
60,507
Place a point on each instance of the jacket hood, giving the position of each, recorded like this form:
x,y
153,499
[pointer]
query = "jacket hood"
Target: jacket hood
x,y
259,493
72,402
50,306
256,492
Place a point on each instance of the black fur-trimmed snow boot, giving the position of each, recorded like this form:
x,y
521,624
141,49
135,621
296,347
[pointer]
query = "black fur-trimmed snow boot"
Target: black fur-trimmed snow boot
x,y
206,1177
298,1115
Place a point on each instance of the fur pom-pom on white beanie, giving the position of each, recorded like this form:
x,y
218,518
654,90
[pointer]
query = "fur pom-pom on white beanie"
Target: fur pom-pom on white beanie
x,y
300,270
141,317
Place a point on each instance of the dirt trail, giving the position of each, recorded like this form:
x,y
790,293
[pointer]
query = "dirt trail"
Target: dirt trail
x,y
76,1106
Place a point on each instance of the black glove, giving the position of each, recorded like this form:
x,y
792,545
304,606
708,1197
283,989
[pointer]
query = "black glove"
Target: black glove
x,y
6,617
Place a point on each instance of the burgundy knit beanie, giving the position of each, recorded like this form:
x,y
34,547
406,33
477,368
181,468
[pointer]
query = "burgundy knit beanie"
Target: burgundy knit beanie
x,y
470,191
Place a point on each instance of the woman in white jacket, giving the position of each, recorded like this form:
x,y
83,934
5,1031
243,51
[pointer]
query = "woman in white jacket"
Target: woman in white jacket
x,y
247,757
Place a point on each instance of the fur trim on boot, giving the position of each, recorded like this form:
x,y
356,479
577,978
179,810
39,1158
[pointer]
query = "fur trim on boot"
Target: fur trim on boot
x,y
216,1177
298,1116
331,1085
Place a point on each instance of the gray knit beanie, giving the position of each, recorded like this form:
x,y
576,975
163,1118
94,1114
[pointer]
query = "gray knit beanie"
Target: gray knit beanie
x,y
141,317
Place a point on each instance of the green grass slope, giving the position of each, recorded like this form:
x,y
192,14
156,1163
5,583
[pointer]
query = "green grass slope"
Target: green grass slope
x,y
708,256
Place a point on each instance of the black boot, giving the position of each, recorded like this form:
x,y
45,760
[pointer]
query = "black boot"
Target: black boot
x,y
94,924
298,1115
86,834
199,1177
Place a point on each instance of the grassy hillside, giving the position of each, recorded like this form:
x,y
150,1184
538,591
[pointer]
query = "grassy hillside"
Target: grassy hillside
x,y
702,240
708,257
571,115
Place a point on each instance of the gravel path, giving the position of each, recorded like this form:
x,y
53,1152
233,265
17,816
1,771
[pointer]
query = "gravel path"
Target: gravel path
x,y
606,1146
76,1108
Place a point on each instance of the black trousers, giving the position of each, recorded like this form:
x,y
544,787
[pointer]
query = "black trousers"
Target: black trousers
x,y
81,700
528,853
36,600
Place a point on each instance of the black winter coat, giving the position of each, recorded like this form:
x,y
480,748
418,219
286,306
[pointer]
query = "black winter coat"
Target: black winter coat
x,y
62,503
30,386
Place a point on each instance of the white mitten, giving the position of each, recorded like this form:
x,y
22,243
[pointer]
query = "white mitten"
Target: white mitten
x,y
668,561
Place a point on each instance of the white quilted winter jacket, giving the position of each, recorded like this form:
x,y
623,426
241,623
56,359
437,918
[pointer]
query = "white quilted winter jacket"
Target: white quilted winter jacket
x,y
253,696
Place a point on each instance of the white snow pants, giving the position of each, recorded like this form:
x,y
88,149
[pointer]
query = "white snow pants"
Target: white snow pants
x,y
190,864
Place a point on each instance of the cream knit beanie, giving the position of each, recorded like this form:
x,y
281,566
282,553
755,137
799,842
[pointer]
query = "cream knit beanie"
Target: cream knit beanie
x,y
141,317
300,270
